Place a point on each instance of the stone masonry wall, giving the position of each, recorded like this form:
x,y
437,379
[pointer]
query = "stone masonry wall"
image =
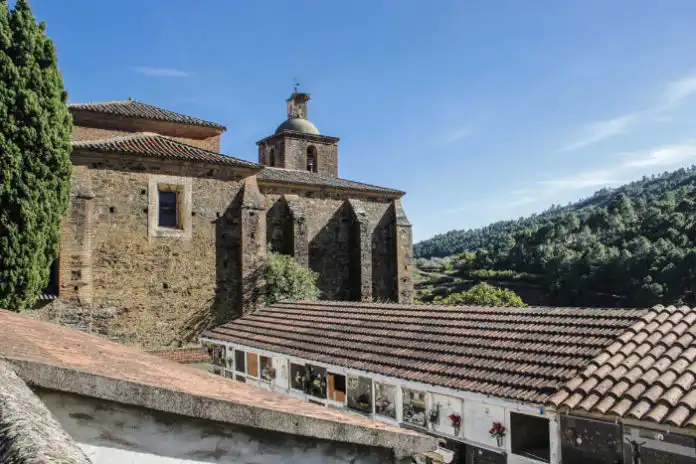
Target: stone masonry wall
x,y
163,290
92,133
291,153
355,261
296,155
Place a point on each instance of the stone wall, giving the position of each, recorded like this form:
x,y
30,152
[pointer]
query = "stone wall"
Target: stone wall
x,y
113,433
290,152
352,244
163,289
79,133
28,432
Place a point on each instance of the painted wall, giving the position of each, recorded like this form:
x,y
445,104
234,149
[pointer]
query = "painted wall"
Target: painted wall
x,y
113,433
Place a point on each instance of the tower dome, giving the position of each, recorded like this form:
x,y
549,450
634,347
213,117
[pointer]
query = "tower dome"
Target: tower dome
x,y
298,125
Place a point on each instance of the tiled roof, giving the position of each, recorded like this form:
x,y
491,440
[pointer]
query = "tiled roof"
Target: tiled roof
x,y
312,179
136,109
158,146
57,357
518,353
648,373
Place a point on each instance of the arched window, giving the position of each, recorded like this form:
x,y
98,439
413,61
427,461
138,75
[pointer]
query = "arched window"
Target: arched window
x,y
271,158
311,159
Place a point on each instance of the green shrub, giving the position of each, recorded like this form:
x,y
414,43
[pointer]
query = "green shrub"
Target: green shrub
x,y
286,279
483,295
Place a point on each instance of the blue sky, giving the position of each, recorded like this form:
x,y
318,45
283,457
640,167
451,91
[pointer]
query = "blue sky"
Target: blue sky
x,y
479,110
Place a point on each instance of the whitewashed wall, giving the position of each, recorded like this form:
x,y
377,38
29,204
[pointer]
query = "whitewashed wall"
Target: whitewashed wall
x,y
478,411
116,434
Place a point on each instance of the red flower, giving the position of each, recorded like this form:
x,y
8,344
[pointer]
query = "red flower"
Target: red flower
x,y
456,420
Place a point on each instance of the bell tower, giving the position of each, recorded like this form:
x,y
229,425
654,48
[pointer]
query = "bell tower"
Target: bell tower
x,y
297,143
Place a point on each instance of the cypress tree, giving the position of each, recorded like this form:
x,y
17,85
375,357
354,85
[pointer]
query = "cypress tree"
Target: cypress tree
x,y
35,168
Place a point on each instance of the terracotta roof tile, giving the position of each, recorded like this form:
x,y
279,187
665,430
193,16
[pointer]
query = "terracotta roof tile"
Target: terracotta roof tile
x,y
158,146
659,375
517,353
139,110
313,179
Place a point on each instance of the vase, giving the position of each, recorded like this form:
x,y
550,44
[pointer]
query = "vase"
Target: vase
x,y
499,439
456,430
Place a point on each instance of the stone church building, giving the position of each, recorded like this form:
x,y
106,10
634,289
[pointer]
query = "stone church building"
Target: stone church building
x,y
169,236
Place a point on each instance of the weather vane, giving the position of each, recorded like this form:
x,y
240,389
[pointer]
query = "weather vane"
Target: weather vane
x,y
297,85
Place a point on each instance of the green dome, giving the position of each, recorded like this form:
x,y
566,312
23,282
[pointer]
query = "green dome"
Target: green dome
x,y
298,125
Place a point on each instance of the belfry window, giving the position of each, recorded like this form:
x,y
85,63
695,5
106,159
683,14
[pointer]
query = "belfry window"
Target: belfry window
x,y
311,159
271,158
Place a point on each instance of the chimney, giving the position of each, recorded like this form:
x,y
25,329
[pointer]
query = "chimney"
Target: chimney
x,y
297,105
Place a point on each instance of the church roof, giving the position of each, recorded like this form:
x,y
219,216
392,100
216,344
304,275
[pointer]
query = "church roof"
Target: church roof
x,y
139,110
298,125
524,354
313,179
158,146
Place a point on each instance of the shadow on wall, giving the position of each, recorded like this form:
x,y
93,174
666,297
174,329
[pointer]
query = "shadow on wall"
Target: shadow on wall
x,y
384,285
279,228
330,254
226,304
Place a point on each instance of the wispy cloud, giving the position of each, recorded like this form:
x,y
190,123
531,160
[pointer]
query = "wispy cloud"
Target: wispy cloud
x,y
668,155
601,130
160,72
456,134
675,93
627,166
583,180
680,89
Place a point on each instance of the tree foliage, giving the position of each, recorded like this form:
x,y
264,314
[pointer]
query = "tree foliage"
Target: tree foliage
x,y
286,279
483,294
630,246
35,166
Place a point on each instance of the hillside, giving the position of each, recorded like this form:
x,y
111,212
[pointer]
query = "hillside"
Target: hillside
x,y
634,245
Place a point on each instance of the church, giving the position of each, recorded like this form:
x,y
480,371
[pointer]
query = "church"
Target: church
x,y
169,236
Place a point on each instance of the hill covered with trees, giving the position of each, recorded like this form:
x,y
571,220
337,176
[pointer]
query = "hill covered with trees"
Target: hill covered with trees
x,y
634,245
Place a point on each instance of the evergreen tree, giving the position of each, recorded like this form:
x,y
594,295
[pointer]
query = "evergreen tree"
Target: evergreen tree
x,y
35,166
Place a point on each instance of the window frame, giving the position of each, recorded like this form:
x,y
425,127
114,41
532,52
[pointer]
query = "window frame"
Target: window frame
x,y
182,186
162,188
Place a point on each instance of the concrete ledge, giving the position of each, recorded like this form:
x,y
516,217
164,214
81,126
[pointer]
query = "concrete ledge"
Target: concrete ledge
x,y
402,443
28,432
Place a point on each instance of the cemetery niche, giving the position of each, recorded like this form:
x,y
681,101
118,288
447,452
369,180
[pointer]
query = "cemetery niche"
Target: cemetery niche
x,y
360,394
414,407
385,400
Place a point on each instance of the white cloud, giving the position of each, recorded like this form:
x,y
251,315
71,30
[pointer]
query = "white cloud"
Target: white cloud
x,y
456,134
675,93
680,90
601,130
668,155
160,72
583,180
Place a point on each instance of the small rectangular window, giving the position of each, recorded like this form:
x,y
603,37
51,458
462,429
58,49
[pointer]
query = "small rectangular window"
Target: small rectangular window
x,y
168,212
239,360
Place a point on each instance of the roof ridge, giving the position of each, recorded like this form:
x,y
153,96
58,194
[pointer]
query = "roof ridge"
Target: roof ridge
x,y
140,110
